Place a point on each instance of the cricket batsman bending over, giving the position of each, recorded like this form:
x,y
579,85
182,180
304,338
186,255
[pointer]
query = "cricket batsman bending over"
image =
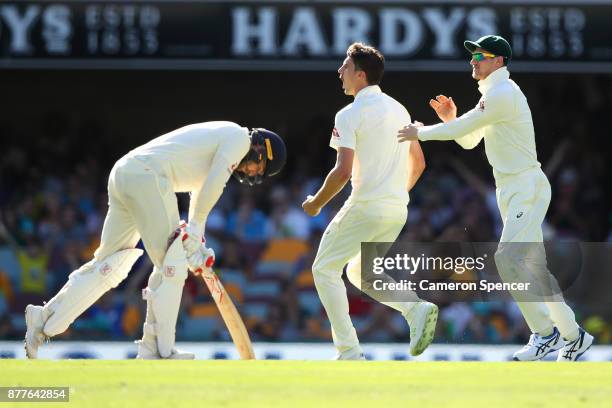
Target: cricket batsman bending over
x,y
503,119
198,158
382,172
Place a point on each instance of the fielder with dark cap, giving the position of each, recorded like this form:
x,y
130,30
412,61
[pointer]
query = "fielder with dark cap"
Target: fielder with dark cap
x,y
503,119
199,159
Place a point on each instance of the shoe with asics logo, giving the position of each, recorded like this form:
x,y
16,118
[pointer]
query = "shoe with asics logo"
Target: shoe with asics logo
x,y
539,347
576,348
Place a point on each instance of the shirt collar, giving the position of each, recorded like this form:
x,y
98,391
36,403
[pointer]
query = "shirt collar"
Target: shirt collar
x,y
494,78
368,90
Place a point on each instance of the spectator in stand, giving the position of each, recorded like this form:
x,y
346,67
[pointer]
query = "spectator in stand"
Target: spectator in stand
x,y
247,223
568,223
286,219
33,261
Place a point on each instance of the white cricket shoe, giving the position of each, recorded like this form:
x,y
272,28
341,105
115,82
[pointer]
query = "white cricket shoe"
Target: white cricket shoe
x,y
422,320
34,337
539,347
354,353
574,349
148,351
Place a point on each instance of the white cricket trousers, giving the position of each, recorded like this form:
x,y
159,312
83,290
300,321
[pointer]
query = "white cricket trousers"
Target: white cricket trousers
x,y
341,244
523,200
142,204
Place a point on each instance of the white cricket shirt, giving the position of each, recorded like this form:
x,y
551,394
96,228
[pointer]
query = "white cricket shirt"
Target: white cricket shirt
x,y
503,118
197,158
369,126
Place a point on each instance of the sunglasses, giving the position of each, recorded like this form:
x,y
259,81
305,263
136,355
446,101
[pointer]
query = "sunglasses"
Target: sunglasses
x,y
481,56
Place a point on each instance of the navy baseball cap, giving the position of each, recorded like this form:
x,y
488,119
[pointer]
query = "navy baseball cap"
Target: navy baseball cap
x,y
492,43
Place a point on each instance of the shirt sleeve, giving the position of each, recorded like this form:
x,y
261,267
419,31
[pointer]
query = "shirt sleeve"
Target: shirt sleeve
x,y
492,109
204,200
345,130
471,140
193,199
226,159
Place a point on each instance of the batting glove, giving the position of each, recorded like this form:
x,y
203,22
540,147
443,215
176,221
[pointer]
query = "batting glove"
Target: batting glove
x,y
203,258
193,237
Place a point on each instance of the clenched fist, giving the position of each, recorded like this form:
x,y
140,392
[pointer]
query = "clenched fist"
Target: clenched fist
x,y
310,207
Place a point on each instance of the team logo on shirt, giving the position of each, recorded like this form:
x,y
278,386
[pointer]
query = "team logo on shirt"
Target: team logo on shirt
x,y
519,215
105,269
481,106
335,133
170,271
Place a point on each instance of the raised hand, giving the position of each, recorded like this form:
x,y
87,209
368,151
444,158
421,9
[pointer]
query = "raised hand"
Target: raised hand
x,y
445,108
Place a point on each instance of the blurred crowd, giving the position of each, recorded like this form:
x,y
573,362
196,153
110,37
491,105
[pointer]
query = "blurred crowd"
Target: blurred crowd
x,y
52,212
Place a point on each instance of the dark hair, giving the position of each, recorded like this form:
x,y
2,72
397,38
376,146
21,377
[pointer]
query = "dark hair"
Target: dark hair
x,y
369,60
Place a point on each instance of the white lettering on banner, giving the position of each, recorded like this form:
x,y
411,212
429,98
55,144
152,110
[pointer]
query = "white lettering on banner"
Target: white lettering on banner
x,y
20,26
444,29
402,31
480,22
57,29
305,32
296,31
122,29
552,32
391,21
535,31
350,25
263,31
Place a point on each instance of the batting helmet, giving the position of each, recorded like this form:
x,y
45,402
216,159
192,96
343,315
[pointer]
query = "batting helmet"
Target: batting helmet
x,y
268,147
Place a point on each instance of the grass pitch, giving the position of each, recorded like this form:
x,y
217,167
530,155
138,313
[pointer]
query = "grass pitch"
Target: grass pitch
x,y
174,384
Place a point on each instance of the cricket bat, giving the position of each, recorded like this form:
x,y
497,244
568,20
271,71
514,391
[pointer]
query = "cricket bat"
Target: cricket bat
x,y
230,315
228,311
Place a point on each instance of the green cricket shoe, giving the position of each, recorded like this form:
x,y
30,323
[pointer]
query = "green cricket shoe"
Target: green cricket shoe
x,y
422,320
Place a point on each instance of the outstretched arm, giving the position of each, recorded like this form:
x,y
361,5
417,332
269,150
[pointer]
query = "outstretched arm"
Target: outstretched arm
x,y
446,110
496,108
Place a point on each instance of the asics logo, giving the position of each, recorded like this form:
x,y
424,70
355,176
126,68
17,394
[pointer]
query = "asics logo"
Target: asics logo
x,y
541,348
575,346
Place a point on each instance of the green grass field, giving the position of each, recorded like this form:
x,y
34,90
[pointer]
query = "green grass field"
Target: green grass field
x,y
175,384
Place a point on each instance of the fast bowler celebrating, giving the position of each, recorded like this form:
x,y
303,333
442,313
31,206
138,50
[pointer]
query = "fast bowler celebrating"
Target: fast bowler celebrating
x,y
503,119
381,172
198,158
